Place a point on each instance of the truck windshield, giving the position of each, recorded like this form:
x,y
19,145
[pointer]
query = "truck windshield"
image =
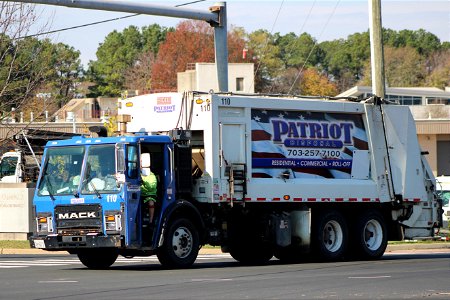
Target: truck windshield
x,y
445,196
62,171
100,170
8,166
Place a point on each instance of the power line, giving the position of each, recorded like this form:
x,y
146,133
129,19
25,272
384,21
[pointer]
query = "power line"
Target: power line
x,y
75,27
187,3
303,26
96,23
267,41
315,45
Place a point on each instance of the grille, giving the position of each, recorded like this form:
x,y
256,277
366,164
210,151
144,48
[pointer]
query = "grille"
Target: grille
x,y
86,218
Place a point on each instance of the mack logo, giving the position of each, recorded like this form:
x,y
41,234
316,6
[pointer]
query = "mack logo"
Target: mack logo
x,y
80,215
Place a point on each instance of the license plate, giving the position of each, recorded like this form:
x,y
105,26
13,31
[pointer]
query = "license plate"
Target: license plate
x,y
39,244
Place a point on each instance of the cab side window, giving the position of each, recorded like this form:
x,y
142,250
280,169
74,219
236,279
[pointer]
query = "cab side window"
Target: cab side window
x,y
132,161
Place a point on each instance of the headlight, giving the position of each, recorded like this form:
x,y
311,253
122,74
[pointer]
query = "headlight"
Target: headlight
x,y
113,222
44,223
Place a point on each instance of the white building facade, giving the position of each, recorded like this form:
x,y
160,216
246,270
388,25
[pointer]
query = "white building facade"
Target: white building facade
x,y
203,77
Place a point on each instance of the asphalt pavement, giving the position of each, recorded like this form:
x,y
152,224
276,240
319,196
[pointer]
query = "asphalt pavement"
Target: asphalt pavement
x,y
407,246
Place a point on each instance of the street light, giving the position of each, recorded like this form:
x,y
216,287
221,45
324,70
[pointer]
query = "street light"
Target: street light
x,y
44,96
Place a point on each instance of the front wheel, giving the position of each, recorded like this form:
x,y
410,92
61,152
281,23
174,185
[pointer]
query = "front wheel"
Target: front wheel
x,y
98,259
371,235
330,235
181,245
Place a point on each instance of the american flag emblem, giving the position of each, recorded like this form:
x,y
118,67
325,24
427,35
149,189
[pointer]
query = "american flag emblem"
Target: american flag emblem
x,y
303,144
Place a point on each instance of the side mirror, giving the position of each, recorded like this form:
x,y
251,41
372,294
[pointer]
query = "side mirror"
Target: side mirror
x,y
120,178
120,158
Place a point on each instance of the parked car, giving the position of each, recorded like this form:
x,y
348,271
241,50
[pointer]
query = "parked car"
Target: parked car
x,y
443,186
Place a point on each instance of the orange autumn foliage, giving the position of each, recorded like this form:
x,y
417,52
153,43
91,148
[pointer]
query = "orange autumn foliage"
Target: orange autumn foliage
x,y
191,42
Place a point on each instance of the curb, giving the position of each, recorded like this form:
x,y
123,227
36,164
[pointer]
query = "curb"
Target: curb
x,y
217,250
414,246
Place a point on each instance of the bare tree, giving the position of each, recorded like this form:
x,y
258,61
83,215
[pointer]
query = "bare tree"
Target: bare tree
x,y
138,77
21,66
438,69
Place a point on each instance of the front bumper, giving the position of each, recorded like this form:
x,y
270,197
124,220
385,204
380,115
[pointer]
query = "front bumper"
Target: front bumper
x,y
59,242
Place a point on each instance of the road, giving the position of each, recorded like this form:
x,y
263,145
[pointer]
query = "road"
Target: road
x,y
398,275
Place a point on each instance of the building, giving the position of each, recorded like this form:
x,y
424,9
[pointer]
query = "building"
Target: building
x,y
87,110
203,77
197,77
431,111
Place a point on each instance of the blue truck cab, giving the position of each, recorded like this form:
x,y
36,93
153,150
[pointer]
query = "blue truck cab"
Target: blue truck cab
x,y
87,201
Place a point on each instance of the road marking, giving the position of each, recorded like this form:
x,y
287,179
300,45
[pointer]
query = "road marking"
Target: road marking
x,y
58,281
418,251
9,264
369,277
28,263
211,279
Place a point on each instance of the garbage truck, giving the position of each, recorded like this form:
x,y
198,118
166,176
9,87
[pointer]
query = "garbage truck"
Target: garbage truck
x,y
260,176
21,164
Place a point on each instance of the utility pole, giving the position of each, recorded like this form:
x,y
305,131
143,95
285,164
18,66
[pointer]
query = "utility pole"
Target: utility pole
x,y
216,17
376,49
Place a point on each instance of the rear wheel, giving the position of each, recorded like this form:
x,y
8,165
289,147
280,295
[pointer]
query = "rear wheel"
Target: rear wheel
x,y
330,235
181,245
98,259
371,235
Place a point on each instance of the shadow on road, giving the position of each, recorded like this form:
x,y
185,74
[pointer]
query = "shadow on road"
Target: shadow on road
x,y
229,263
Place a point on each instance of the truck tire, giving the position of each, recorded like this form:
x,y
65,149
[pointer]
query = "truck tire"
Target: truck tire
x,y
181,245
330,235
98,259
371,235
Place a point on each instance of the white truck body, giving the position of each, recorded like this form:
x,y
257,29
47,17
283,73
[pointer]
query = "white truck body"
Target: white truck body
x,y
301,151
10,167
23,163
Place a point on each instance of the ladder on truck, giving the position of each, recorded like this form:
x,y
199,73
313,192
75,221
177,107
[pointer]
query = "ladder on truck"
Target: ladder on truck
x,y
237,180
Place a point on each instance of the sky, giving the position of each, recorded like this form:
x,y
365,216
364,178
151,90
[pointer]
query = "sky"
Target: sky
x,y
323,19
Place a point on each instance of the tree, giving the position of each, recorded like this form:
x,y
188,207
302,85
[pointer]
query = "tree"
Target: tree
x,y
304,82
314,83
403,67
266,53
118,53
67,71
153,36
344,60
191,42
438,66
287,82
114,56
22,60
424,42
139,76
31,66
299,51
